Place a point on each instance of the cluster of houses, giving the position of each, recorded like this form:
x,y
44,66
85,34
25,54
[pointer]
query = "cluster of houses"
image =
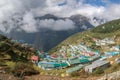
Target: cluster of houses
x,y
109,55
76,57
77,50
104,41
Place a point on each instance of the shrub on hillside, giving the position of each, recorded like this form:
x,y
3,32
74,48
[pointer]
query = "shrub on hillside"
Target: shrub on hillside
x,y
80,73
23,69
4,47
74,74
98,71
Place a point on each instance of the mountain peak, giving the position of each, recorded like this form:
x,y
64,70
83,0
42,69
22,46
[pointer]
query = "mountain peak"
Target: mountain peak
x,y
47,16
78,16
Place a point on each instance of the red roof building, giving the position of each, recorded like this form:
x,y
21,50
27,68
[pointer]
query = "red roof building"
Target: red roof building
x,y
34,58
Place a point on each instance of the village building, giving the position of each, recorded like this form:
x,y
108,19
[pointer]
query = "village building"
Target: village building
x,y
109,55
34,59
95,57
105,41
78,61
52,65
74,69
115,48
99,64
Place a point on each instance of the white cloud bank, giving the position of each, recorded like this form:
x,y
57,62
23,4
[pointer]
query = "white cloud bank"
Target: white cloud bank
x,y
56,25
28,9
29,23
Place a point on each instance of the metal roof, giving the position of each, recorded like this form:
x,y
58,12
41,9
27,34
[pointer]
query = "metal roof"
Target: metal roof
x,y
76,68
97,64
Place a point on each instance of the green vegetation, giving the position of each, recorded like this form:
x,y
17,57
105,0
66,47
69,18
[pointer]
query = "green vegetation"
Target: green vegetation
x,y
80,73
98,71
108,27
23,69
14,51
15,58
74,74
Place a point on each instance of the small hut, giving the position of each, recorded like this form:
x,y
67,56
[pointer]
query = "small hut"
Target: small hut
x,y
34,59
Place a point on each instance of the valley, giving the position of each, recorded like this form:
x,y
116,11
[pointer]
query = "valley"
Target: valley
x,y
75,57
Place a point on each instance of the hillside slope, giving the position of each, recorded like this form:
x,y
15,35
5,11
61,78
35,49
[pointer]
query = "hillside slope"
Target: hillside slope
x,y
15,58
15,51
107,30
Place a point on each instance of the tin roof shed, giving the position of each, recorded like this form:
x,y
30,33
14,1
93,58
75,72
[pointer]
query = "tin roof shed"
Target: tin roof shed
x,y
73,69
93,66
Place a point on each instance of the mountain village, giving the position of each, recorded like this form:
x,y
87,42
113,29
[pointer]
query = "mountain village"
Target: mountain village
x,y
80,56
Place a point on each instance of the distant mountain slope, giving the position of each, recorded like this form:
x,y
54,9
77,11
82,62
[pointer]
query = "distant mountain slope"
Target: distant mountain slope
x,y
45,38
108,30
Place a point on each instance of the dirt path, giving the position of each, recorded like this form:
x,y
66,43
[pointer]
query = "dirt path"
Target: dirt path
x,y
43,77
7,77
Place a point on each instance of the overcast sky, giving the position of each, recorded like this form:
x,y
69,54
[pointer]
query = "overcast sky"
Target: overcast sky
x,y
107,9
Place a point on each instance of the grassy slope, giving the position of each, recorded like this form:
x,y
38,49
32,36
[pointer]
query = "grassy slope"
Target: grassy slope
x,y
110,29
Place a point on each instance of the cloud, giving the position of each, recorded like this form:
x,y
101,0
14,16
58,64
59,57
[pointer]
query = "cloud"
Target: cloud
x,y
12,10
112,12
73,7
9,7
28,9
29,23
56,25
